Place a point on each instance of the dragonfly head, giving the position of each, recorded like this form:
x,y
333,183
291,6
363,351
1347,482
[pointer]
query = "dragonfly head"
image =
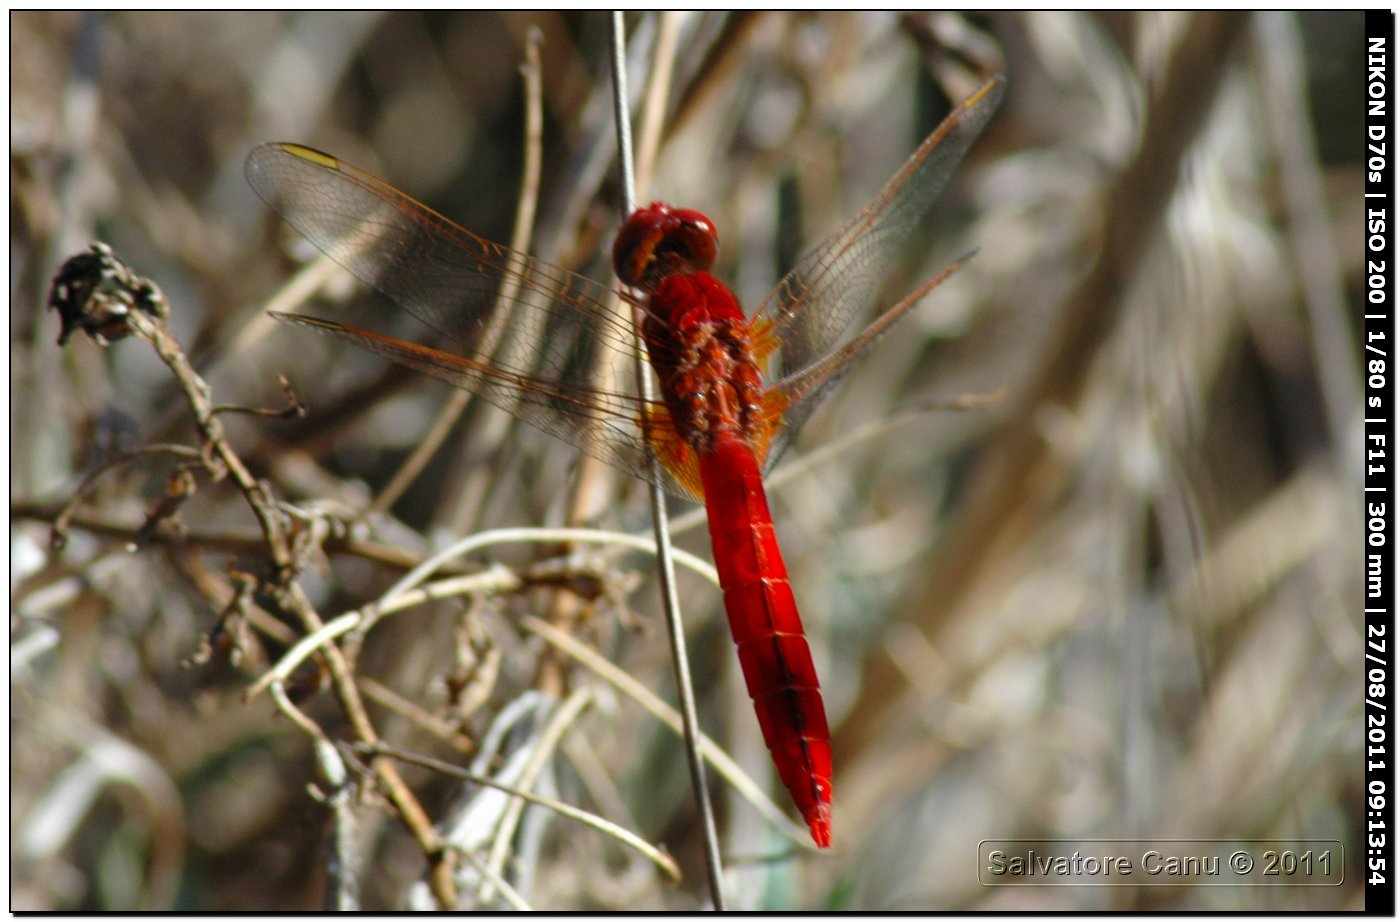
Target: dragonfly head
x,y
658,240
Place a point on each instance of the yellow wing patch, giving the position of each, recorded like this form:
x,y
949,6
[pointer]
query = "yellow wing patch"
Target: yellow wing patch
x,y
672,451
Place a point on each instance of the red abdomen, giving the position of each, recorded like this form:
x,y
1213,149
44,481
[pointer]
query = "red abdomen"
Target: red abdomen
x,y
777,665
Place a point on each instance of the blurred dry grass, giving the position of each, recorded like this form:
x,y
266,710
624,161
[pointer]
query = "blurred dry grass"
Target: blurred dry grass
x,y
1123,602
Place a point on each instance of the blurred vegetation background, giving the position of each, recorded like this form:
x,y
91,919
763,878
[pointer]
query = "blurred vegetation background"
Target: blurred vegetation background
x,y
1120,599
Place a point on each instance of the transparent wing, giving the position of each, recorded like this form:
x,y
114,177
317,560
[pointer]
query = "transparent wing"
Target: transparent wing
x,y
812,307
525,335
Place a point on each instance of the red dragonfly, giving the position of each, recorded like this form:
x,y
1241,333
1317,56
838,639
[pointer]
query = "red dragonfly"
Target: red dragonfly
x,y
721,419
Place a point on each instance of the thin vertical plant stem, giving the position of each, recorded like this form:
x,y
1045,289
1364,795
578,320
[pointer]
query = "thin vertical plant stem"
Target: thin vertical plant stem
x,y
665,565
520,242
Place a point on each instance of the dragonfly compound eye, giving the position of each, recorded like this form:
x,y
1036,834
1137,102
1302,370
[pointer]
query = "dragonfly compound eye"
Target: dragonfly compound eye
x,y
658,240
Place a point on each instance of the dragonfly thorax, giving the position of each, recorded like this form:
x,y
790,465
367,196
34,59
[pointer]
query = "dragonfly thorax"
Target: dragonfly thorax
x,y
699,344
